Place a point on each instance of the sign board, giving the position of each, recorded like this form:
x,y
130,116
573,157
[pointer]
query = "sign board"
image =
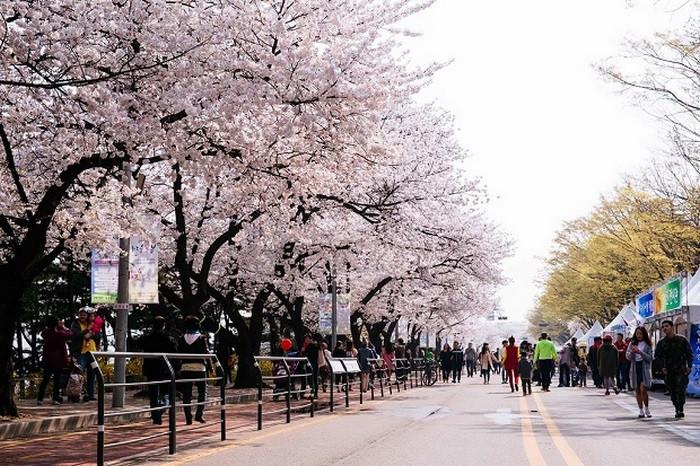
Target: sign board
x,y
337,366
664,298
667,297
423,338
351,365
143,272
325,313
343,315
694,376
104,277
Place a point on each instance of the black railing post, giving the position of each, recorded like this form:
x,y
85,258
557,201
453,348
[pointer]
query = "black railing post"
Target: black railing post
x,y
332,385
172,418
314,388
220,369
347,389
289,392
260,396
100,412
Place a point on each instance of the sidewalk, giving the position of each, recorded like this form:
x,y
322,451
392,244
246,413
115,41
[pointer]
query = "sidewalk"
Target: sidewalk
x,y
50,418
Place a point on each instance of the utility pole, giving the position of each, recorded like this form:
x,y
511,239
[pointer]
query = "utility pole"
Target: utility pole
x,y
334,308
122,306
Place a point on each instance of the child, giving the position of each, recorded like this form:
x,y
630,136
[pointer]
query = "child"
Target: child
x,y
525,370
582,372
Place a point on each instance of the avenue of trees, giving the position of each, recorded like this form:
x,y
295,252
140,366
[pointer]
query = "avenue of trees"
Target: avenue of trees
x,y
649,228
280,143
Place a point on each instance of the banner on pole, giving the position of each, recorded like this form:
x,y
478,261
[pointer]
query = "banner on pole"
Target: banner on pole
x,y
343,317
104,277
325,313
143,272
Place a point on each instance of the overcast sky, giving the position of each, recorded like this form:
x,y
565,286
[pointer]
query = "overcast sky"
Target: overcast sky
x,y
546,133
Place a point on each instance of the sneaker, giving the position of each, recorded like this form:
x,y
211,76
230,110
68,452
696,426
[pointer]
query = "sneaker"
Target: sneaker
x,y
680,415
56,402
647,413
516,388
607,392
641,414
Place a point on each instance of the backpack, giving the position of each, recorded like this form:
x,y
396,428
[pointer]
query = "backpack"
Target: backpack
x,y
74,388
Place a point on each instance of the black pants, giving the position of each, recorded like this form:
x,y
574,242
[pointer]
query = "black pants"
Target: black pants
x,y
446,374
457,374
623,375
155,396
527,386
486,374
186,389
546,366
564,375
48,374
677,383
471,368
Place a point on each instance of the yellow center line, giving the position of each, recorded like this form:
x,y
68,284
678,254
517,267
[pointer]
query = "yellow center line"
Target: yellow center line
x,y
534,455
570,457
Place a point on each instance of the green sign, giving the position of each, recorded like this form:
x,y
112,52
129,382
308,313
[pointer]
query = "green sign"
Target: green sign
x,y
667,297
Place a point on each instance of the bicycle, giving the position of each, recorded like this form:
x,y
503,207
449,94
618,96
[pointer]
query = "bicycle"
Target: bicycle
x,y
430,373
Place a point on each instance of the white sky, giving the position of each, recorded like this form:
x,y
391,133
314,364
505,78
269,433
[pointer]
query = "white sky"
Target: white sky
x,y
546,133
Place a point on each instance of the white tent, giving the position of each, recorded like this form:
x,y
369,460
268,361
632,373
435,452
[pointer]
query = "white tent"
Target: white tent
x,y
578,334
693,290
633,319
595,331
617,325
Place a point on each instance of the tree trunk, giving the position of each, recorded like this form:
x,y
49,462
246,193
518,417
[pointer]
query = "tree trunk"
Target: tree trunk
x,y
11,291
295,313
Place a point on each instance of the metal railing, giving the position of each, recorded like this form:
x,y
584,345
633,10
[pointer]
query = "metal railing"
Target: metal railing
x,y
403,373
172,381
380,373
284,372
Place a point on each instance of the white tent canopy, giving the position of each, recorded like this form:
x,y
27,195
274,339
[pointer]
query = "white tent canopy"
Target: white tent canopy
x,y
617,325
595,331
633,319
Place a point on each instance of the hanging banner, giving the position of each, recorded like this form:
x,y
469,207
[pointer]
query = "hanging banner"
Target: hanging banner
x,y
694,376
143,272
667,297
104,277
402,329
343,314
325,313
645,304
423,338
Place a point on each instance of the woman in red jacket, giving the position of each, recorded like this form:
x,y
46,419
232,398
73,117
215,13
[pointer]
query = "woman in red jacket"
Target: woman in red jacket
x,y
510,365
55,336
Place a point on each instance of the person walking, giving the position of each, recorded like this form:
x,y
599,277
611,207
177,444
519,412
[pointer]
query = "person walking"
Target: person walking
x,y
457,362
677,360
155,369
544,357
501,358
640,356
84,341
363,356
487,361
446,362
193,342
55,357
311,351
470,357
582,373
389,357
525,371
623,366
607,364
593,361
510,364
565,361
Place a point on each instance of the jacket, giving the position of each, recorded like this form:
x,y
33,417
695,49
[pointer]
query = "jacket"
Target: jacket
x,y
487,361
512,356
525,369
646,365
156,342
193,343
76,347
470,354
545,350
675,354
55,351
607,360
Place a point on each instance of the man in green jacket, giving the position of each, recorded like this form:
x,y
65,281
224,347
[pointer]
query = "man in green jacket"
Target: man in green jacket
x,y
545,354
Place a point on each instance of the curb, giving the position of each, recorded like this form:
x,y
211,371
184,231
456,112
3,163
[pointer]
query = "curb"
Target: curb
x,y
74,422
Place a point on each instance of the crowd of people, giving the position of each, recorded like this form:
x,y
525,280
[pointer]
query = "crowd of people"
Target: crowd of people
x,y
618,366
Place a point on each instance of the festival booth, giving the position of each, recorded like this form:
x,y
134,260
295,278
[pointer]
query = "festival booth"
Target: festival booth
x,y
678,300
595,331
617,325
578,334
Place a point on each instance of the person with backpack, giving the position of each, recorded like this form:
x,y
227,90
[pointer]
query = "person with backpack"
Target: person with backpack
x,y
155,369
677,360
525,371
193,342
607,364
55,360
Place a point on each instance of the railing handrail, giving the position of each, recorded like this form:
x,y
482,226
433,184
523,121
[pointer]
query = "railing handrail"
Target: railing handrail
x,y
280,358
136,354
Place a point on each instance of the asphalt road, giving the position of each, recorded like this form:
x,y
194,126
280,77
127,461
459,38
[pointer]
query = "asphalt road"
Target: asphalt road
x,y
470,423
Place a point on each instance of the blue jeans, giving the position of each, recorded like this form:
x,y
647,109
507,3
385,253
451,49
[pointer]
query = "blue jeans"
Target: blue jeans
x,y
623,375
85,360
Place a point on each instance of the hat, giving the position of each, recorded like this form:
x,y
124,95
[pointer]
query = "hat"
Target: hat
x,y
86,309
